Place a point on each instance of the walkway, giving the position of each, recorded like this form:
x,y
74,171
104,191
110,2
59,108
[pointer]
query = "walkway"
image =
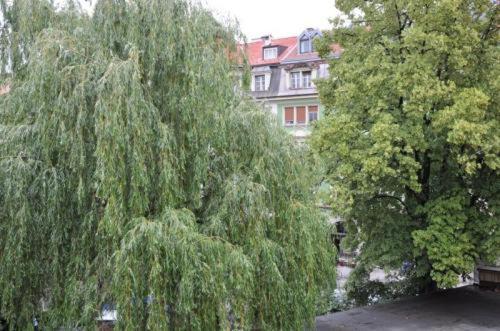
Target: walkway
x,y
462,309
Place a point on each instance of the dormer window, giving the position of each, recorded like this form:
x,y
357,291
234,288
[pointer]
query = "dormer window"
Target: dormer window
x,y
305,45
305,40
270,53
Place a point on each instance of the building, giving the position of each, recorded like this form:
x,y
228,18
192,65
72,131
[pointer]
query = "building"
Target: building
x,y
487,275
283,72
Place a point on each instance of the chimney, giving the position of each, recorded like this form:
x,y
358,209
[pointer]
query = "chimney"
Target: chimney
x,y
267,39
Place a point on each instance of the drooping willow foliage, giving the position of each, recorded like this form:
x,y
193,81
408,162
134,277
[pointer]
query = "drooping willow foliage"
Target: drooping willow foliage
x,y
133,172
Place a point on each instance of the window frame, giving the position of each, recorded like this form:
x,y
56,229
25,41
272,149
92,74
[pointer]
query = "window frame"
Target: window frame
x,y
262,83
306,112
295,123
275,52
314,112
305,41
302,76
295,80
298,83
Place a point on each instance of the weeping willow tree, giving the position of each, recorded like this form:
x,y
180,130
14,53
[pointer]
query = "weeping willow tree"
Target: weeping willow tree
x,y
132,172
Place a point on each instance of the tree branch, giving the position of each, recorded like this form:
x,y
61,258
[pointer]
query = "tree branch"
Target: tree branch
x,y
387,196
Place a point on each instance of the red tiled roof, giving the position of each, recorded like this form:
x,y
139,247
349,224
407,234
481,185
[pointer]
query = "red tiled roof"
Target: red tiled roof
x,y
294,55
289,51
254,50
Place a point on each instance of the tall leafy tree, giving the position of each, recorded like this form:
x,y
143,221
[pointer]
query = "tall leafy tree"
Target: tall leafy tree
x,y
132,172
411,140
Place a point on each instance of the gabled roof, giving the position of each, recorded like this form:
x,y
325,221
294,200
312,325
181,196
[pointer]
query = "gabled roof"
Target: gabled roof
x,y
255,54
310,33
288,51
295,56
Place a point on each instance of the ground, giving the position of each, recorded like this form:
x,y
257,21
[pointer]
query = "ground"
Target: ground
x,y
463,309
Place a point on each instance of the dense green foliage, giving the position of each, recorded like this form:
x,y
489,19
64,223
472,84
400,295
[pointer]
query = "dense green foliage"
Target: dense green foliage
x,y
133,172
411,140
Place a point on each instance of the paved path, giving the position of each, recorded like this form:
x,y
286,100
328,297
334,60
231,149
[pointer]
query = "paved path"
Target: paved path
x,y
461,309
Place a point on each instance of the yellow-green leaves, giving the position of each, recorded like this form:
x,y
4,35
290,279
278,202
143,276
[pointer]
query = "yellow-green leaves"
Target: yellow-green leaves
x,y
134,174
472,129
447,240
412,134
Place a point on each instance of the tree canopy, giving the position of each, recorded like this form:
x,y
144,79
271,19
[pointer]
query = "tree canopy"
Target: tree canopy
x,y
134,173
411,140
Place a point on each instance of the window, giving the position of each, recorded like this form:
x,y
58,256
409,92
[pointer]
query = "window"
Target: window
x,y
295,80
289,115
301,115
313,113
305,45
270,53
300,79
306,79
260,83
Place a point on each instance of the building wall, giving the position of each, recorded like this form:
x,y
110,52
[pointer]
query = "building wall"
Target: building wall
x,y
278,92
277,109
266,71
487,275
297,130
285,82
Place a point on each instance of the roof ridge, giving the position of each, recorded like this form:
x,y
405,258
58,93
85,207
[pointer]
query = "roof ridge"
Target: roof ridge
x,y
289,51
257,40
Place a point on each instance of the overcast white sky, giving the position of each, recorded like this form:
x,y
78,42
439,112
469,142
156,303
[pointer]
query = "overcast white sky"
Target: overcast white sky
x,y
281,18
